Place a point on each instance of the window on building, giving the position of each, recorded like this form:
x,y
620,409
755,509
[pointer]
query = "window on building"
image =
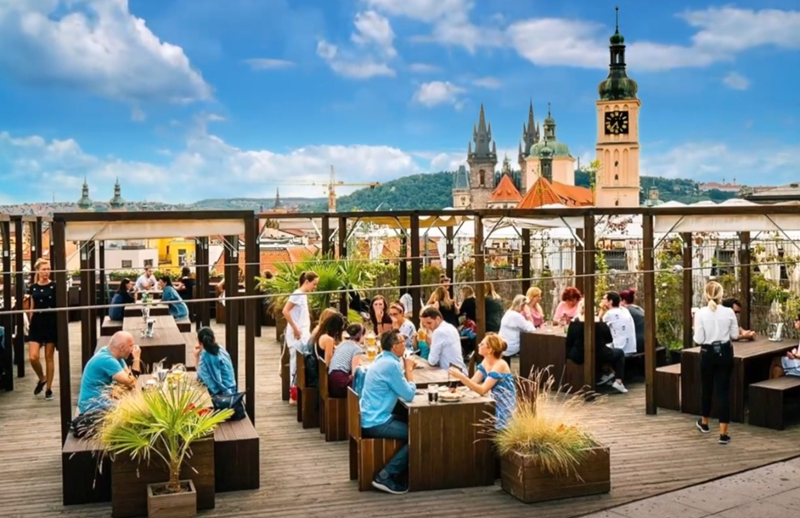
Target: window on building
x,y
148,263
182,256
127,264
482,178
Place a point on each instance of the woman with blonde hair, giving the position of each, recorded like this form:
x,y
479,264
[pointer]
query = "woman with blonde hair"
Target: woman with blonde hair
x,y
715,327
493,375
513,324
43,327
533,311
468,308
440,299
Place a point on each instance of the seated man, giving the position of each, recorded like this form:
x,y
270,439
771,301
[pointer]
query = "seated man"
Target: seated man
x,y
620,322
383,386
788,365
736,306
445,341
146,282
105,367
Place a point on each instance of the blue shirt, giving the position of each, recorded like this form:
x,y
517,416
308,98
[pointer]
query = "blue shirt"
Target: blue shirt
x,y
97,376
178,310
118,313
216,372
384,384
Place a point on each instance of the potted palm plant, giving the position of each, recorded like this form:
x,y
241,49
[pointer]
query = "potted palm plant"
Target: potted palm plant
x,y
544,453
160,423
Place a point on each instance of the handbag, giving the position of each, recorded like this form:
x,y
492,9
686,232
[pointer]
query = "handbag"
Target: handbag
x,y
234,402
312,369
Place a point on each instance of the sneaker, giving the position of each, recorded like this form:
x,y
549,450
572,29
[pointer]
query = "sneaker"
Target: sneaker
x,y
389,486
702,427
619,387
39,387
606,378
724,439
48,396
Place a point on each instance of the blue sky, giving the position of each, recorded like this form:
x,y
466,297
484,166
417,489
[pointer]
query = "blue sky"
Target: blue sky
x,y
189,99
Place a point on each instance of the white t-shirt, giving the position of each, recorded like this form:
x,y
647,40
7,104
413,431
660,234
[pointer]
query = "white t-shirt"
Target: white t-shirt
x,y
715,326
512,324
623,329
407,329
144,279
407,301
300,311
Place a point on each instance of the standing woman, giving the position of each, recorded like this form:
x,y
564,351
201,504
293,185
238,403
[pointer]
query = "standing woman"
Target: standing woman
x,y
298,324
43,327
440,299
715,327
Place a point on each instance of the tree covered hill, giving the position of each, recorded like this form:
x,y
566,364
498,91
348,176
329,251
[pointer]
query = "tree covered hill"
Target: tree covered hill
x,y
434,191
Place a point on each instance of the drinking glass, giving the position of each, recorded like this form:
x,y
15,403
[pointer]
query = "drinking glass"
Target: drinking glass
x,y
161,374
433,394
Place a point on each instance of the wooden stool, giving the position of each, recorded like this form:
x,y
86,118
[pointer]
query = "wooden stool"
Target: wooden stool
x,y
668,387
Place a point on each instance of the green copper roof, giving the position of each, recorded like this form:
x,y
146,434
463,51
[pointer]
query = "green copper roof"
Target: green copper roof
x,y
617,86
553,147
85,202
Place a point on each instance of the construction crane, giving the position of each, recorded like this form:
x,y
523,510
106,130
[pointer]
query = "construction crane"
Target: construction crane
x,y
333,184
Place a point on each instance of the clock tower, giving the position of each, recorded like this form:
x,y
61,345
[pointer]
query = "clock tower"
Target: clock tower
x,y
618,182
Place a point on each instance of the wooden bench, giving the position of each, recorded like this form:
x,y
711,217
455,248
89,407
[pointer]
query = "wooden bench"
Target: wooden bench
x,y
82,482
333,411
236,456
668,387
184,325
307,397
637,362
110,327
367,456
191,343
767,401
286,377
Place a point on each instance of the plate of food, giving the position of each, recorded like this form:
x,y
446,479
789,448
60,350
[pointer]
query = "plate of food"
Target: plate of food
x,y
450,397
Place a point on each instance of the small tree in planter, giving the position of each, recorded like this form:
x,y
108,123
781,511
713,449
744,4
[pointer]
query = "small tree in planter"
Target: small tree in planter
x,y
161,423
544,453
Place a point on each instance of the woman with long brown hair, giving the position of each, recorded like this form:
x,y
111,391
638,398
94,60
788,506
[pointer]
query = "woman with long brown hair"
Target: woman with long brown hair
x,y
298,323
379,314
440,299
43,327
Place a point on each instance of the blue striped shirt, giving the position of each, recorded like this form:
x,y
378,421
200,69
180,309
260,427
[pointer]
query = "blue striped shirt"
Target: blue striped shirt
x,y
342,359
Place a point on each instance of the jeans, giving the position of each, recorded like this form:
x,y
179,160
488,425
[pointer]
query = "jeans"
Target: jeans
x,y
615,357
392,429
715,375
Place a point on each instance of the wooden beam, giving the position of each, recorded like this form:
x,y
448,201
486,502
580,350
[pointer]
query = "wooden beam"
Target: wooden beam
x,y
745,278
201,288
687,288
526,260
85,300
232,302
103,298
326,235
7,320
93,297
416,269
578,255
19,293
252,309
648,252
449,251
59,257
403,264
589,269
83,217
342,238
480,279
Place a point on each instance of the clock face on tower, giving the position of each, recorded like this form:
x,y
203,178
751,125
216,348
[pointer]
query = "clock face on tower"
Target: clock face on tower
x,y
616,123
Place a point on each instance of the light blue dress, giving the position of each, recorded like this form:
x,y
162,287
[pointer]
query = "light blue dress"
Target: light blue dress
x,y
504,394
178,308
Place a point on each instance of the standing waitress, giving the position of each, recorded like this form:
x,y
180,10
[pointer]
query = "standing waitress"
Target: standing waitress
x,y
715,327
42,327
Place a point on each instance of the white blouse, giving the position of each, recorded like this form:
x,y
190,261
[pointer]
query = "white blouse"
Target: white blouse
x,y
715,326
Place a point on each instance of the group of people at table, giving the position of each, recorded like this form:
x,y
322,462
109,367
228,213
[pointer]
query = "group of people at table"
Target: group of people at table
x,y
172,294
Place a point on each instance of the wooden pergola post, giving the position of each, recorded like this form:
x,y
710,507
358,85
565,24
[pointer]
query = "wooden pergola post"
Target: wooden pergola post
x,y
449,251
102,298
480,279
342,234
745,274
416,268
201,288
232,302
588,272
526,259
252,307
687,286
7,321
19,291
648,253
87,272
579,252
402,265
58,254
326,236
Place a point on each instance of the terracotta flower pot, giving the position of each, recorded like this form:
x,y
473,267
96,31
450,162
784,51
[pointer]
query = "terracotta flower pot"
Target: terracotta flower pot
x,y
171,505
524,480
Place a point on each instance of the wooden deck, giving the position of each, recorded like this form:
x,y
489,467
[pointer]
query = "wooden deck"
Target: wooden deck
x,y
302,475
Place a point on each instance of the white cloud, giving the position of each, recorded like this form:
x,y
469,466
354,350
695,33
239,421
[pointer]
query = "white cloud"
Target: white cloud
x,y
268,63
205,167
138,115
492,83
96,46
736,81
423,68
438,92
371,52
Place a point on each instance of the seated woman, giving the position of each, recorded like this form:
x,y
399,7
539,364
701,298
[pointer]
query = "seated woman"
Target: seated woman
x,y
328,335
468,307
568,307
533,310
513,324
788,365
404,326
493,375
122,296
345,360
214,366
379,314
603,353
177,307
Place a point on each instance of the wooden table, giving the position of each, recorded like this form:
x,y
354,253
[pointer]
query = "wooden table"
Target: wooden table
x,y
135,310
167,344
751,362
542,349
443,444
425,374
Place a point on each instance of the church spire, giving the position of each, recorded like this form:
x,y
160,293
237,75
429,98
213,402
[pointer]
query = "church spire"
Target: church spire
x,y
482,138
117,202
85,203
617,86
278,204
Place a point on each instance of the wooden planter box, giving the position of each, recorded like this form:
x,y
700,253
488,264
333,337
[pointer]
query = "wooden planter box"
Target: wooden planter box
x,y
522,479
179,505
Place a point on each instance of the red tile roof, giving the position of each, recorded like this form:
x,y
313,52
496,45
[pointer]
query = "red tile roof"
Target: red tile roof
x,y
505,191
544,192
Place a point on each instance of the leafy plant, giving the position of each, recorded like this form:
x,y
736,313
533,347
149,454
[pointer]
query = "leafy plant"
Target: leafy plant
x,y
160,423
546,426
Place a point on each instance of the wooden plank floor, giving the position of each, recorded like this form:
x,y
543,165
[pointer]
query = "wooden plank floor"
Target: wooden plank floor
x,y
301,475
